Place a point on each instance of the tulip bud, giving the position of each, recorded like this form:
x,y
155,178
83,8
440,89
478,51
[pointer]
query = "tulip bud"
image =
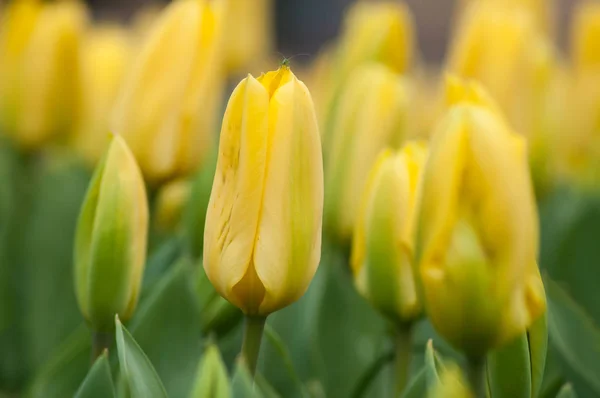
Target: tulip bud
x,y
16,26
262,240
171,201
105,56
496,44
373,32
585,37
249,37
212,379
110,244
383,244
169,103
372,115
45,90
477,235
376,32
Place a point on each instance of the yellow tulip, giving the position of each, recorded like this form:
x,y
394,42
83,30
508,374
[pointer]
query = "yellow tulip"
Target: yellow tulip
x,y
372,115
585,37
373,32
170,203
497,44
262,239
477,237
110,244
105,56
45,91
383,244
16,26
168,106
249,37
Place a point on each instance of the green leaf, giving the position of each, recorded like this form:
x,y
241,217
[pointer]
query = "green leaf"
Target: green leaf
x,y
576,339
212,380
348,341
428,377
98,382
169,317
566,392
509,370
136,370
242,385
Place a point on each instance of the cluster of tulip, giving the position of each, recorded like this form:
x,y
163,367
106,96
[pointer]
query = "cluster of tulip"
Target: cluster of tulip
x,y
412,192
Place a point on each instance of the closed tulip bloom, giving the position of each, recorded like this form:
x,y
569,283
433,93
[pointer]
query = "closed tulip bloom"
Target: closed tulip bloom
x,y
46,91
585,37
110,244
372,115
106,53
249,38
376,32
497,44
383,244
17,22
168,105
262,239
477,237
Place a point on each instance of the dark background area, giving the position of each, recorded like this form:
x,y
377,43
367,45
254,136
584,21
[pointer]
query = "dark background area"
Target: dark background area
x,y
302,26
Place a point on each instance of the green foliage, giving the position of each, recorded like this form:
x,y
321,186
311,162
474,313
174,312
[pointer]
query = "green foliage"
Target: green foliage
x,y
98,383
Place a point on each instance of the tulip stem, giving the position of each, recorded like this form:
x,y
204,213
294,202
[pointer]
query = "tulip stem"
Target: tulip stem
x,y
253,332
477,376
403,358
100,342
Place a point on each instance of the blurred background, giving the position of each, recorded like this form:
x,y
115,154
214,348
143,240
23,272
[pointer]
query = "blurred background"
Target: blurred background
x,y
302,26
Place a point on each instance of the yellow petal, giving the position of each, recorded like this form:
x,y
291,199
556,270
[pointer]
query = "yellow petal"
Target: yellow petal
x,y
237,194
288,244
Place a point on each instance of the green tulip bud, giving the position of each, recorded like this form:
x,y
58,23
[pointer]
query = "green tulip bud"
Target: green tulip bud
x,y
110,244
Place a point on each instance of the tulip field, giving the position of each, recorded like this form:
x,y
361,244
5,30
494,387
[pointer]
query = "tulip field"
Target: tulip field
x,y
186,213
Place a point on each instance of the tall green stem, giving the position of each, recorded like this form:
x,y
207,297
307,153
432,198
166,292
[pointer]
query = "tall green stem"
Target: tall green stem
x,y
403,358
253,332
100,341
476,376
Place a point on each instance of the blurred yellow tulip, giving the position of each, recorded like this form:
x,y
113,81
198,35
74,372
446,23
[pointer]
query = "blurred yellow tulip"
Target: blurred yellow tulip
x,y
477,237
585,37
170,204
383,244
373,32
249,38
110,244
106,53
168,106
17,23
42,98
262,240
372,115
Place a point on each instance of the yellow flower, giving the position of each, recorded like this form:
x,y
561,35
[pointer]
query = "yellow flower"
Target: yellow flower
x,y
110,244
249,38
262,239
17,23
372,115
477,237
498,45
170,203
585,37
169,103
44,88
373,32
383,244
105,56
